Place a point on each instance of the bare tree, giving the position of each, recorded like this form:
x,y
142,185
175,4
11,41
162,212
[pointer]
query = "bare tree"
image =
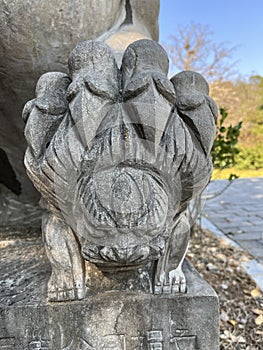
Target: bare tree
x,y
192,48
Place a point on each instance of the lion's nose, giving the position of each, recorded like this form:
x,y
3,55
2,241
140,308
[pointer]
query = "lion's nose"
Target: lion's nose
x,y
128,203
126,197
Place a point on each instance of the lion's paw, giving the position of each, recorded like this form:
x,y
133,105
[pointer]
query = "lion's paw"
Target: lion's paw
x,y
63,289
174,283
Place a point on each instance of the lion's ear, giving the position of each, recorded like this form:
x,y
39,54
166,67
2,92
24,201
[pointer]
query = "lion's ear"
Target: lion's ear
x,y
51,105
164,87
28,109
136,87
100,87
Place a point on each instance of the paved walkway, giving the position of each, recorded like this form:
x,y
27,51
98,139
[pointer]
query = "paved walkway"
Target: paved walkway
x,y
238,213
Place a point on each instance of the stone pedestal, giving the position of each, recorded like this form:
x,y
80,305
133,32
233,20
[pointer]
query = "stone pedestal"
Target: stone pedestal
x,y
119,319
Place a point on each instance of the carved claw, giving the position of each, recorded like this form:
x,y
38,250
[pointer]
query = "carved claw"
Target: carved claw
x,y
28,109
65,294
63,287
173,284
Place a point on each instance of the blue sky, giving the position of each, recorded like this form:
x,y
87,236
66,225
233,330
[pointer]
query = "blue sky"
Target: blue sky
x,y
236,22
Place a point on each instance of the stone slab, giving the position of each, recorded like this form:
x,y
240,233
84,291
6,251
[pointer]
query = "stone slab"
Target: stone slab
x,y
117,319
255,270
208,225
249,236
254,247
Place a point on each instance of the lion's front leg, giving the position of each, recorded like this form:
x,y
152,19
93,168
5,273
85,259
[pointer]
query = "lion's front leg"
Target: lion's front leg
x,y
169,277
67,281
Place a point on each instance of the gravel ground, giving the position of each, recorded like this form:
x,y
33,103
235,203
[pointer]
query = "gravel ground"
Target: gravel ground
x,y
241,302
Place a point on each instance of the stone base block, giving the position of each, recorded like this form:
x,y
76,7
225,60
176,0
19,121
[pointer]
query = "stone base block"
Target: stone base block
x,y
116,320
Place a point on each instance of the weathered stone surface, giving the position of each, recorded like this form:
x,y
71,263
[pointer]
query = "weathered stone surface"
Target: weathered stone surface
x,y
118,316
37,36
115,320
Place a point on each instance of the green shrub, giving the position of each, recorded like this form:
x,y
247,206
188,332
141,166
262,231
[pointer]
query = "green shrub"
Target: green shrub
x,y
226,154
224,150
250,157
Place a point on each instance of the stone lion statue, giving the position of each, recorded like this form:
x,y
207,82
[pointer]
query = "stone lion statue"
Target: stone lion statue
x,y
115,148
117,151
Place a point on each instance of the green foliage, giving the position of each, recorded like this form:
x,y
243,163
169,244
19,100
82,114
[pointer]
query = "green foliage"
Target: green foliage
x,y
224,150
250,158
226,154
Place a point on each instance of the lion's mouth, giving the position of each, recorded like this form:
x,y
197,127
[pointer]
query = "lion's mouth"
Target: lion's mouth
x,y
114,257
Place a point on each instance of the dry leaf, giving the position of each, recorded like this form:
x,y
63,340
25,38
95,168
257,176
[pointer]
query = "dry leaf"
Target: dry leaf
x,y
221,257
4,244
233,322
259,320
247,292
257,311
255,293
245,258
233,262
